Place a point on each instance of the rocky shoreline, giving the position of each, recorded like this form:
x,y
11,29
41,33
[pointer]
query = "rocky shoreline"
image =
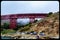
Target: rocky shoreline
x,y
26,36
21,36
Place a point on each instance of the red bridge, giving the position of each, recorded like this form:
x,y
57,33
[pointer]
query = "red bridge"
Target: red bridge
x,y
14,17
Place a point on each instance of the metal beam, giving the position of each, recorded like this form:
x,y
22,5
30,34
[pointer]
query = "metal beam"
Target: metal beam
x,y
14,17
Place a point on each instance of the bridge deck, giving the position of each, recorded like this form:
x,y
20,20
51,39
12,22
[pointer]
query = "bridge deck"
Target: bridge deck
x,y
23,16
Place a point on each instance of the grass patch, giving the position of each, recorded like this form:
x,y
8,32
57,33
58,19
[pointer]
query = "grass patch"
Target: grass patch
x,y
6,31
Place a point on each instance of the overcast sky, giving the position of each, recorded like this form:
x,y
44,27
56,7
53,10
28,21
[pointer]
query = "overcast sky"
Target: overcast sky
x,y
17,7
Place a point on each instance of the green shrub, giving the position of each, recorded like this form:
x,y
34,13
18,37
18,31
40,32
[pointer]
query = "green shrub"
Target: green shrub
x,y
32,31
6,25
24,29
8,31
35,21
49,14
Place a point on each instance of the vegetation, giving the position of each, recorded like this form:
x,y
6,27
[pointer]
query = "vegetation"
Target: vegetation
x,y
22,27
32,31
49,25
49,14
27,26
8,31
25,29
35,21
5,26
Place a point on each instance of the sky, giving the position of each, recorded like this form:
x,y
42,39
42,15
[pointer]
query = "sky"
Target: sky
x,y
24,7
18,7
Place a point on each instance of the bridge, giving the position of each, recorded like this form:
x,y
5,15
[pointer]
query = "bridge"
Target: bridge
x,y
14,17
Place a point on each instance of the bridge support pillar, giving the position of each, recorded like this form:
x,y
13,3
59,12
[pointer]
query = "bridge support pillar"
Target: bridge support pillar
x,y
13,23
32,20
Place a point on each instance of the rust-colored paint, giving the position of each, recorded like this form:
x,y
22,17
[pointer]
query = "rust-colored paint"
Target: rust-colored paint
x,y
14,17
12,23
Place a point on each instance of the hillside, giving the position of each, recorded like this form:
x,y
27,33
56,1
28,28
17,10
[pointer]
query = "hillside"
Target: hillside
x,y
49,25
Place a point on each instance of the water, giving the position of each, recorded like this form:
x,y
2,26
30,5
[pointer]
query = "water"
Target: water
x,y
5,37
8,37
